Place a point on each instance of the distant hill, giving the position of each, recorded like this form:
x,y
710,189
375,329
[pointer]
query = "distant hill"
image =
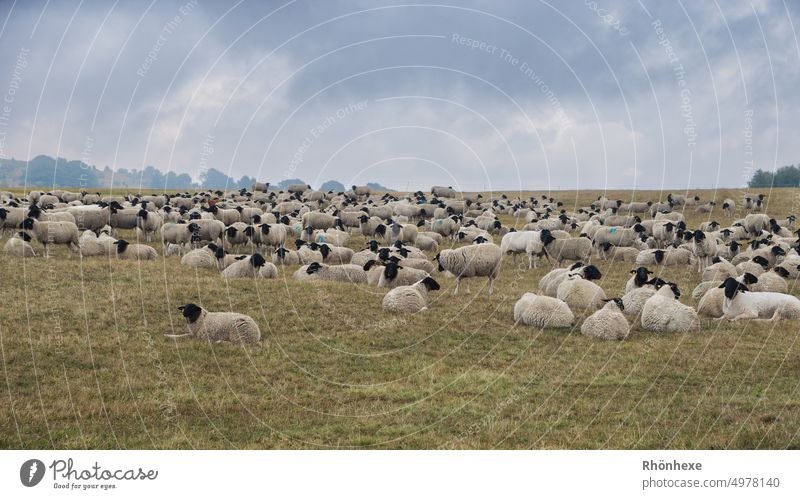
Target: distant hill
x,y
44,171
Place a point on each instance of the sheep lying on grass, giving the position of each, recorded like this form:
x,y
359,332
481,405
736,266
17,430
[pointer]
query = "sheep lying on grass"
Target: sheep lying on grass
x,y
218,326
579,293
128,251
542,312
663,313
248,267
410,299
18,246
321,272
608,323
741,304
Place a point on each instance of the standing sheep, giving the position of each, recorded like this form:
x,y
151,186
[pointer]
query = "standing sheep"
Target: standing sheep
x,y
482,260
48,233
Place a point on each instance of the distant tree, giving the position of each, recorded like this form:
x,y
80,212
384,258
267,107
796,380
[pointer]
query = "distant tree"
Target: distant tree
x,y
785,176
245,182
283,184
215,179
378,187
332,185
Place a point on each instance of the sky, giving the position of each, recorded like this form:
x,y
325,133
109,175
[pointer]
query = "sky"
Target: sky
x,y
479,95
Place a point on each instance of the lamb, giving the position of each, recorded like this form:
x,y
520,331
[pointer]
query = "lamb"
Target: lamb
x,y
246,267
218,326
410,299
741,304
577,249
663,313
394,275
579,292
542,312
608,323
18,246
128,251
481,260
322,272
201,257
148,223
48,233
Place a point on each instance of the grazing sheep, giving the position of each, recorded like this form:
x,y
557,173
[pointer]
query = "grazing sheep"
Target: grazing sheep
x,y
482,260
663,313
128,251
542,312
246,267
608,323
49,233
18,246
394,275
372,226
740,303
341,273
179,234
607,251
410,299
579,292
218,326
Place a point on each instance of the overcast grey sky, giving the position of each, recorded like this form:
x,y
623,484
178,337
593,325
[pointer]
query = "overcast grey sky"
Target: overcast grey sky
x,y
474,94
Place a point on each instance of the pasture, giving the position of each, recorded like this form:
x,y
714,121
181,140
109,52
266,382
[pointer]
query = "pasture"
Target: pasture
x,y
85,363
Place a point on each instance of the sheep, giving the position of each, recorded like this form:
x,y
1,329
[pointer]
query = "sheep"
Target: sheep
x,y
333,237
18,246
719,270
90,245
394,275
482,260
619,236
663,313
579,292
549,282
633,301
639,279
671,256
515,243
577,249
201,257
178,234
323,272
218,326
268,235
728,207
542,312
11,218
705,207
320,221
374,270
49,233
773,281
91,217
282,256
308,252
406,233
410,299
206,230
443,192
226,216
246,267
128,251
260,186
225,259
704,248
665,232
608,323
372,226
754,223
756,266
741,304
426,243
607,251
148,223
446,227
335,254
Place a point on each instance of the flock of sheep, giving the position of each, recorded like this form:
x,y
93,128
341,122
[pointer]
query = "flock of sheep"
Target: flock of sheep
x,y
746,265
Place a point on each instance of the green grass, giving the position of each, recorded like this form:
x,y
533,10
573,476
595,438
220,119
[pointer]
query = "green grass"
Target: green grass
x,y
85,365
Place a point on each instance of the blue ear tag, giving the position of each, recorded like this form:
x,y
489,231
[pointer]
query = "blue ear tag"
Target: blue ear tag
x,y
612,230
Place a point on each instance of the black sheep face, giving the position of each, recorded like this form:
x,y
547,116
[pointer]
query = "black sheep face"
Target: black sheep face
x,y
732,286
591,273
431,284
781,272
122,245
749,278
191,312
257,260
312,268
761,261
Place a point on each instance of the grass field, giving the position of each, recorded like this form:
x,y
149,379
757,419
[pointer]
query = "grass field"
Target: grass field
x,y
85,365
